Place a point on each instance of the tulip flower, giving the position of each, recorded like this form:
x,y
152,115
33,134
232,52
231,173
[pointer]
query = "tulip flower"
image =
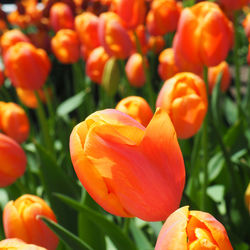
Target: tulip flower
x,y
184,98
17,244
167,67
1,78
13,161
142,37
211,39
131,12
163,17
10,38
156,44
86,26
66,46
213,74
136,107
246,25
134,70
96,63
192,230
61,17
128,169
233,4
41,39
113,36
247,198
14,121
23,56
21,220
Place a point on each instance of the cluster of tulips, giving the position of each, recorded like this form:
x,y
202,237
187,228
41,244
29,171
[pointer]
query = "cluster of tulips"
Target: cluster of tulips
x,y
124,96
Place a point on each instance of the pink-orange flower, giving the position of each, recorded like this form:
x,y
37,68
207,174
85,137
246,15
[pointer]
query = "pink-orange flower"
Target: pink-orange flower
x,y
128,169
192,230
17,244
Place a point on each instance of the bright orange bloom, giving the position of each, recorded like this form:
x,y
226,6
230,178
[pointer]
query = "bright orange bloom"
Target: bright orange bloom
x,y
184,98
142,37
246,25
113,36
61,17
20,220
95,64
167,67
156,44
26,66
163,17
134,70
211,39
213,74
13,161
136,107
1,78
132,12
192,230
66,46
14,121
86,26
128,169
233,4
17,244
10,38
28,97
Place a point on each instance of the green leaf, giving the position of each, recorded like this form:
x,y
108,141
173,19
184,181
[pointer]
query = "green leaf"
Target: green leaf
x,y
216,192
120,240
215,166
66,236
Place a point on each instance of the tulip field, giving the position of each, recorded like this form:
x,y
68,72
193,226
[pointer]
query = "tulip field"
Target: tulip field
x,y
125,125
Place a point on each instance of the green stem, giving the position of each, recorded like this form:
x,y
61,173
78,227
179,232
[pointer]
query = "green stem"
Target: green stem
x,y
126,225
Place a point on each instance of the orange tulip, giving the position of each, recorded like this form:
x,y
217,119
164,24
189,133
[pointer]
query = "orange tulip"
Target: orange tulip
x,y
246,25
132,12
163,17
204,21
233,4
192,230
61,17
184,98
10,38
14,121
167,67
134,70
13,161
95,64
86,26
17,244
113,36
142,37
136,107
128,169
213,74
1,78
156,44
66,46
26,66
20,220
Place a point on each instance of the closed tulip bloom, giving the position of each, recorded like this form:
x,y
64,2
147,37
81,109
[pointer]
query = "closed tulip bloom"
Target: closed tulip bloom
x,y
23,56
13,161
14,121
134,70
128,169
167,67
95,64
211,39
20,220
246,25
17,244
132,12
136,107
10,38
213,74
156,44
1,78
184,98
192,230
163,17
66,46
142,37
61,17
113,36
86,25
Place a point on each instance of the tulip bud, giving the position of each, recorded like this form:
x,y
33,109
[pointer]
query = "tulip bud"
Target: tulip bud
x,y
21,220
17,244
14,121
156,44
192,230
13,161
141,35
246,25
1,78
184,98
128,169
66,46
136,107
26,66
